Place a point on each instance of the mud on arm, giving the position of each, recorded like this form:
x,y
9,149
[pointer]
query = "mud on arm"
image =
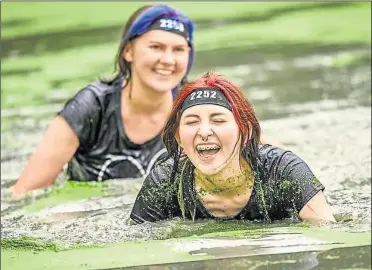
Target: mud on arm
x,y
304,189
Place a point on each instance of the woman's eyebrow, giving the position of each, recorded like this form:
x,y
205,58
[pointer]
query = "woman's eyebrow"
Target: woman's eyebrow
x,y
217,114
191,115
197,116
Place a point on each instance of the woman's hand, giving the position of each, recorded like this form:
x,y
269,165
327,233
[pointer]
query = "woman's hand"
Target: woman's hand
x,y
10,195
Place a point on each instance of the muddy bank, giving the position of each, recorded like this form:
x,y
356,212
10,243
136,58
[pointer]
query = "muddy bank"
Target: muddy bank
x,y
336,144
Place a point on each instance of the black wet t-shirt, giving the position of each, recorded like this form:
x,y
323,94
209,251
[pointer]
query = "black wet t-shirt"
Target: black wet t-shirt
x,y
283,185
105,151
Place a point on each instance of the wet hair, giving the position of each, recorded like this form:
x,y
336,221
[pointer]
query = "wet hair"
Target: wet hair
x,y
245,118
242,110
138,24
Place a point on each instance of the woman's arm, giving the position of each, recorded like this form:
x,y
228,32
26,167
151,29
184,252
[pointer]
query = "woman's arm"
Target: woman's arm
x,y
297,185
317,209
76,125
56,148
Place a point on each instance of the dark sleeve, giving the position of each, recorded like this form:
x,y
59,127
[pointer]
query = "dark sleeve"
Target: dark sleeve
x,y
295,183
154,201
83,113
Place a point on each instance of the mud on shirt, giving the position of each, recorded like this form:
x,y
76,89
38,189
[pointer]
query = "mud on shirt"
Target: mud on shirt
x,y
105,151
283,185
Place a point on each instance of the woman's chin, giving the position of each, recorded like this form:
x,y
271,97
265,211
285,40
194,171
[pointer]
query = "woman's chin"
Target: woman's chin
x,y
209,169
163,86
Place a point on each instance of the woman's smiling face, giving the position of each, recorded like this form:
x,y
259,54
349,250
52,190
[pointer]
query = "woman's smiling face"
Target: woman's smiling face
x,y
158,59
209,136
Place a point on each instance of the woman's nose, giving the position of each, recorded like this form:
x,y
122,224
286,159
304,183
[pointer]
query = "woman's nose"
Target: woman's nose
x,y
168,58
205,131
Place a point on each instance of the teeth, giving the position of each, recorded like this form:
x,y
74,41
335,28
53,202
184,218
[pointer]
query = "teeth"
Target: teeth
x,y
164,72
204,148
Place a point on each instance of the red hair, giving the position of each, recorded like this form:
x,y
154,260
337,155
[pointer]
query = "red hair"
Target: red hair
x,y
242,110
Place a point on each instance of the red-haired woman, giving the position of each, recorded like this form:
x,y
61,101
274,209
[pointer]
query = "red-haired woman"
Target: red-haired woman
x,y
216,167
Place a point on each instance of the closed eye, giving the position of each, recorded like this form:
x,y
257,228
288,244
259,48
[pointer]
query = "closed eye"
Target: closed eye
x,y
219,121
190,123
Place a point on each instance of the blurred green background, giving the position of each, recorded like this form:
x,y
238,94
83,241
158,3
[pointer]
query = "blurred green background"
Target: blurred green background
x,y
51,50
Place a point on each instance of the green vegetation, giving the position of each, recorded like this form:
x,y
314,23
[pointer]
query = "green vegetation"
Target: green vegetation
x,y
52,17
27,78
16,255
68,192
26,243
122,254
223,228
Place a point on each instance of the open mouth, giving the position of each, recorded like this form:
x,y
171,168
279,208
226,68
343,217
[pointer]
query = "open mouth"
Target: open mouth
x,y
207,151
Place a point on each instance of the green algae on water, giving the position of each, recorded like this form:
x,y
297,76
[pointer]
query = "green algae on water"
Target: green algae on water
x,y
28,243
35,244
288,28
159,251
231,228
68,192
96,258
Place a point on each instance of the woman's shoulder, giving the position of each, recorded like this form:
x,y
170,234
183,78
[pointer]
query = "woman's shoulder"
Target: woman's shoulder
x,y
97,89
276,159
268,153
163,169
93,98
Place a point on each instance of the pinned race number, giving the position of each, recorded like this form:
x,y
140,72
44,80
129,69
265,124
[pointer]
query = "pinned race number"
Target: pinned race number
x,y
172,24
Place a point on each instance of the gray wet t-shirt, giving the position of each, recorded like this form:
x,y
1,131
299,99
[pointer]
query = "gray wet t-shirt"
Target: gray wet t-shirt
x,y
105,151
283,184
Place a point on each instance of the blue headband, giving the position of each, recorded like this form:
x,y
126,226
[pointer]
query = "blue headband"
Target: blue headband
x,y
171,25
148,17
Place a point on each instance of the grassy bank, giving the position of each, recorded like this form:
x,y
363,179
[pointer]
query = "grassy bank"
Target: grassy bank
x,y
26,80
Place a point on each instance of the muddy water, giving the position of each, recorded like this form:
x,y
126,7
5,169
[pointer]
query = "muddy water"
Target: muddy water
x,y
291,261
316,101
